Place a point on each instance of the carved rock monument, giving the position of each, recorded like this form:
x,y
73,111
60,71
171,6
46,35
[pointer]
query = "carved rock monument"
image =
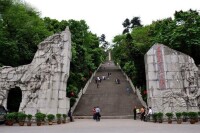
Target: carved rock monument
x,y
173,80
43,81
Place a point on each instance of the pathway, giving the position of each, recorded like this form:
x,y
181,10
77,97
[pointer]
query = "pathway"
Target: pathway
x,y
112,98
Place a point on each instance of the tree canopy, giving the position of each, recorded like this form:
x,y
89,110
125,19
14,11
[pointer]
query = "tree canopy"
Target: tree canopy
x,y
22,29
180,33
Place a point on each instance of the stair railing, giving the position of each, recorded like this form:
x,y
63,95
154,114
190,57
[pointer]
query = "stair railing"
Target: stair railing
x,y
135,90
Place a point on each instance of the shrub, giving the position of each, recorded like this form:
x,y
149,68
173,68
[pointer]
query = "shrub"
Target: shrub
x,y
184,114
21,116
169,115
155,116
58,116
64,116
10,116
199,113
29,117
39,117
50,117
192,115
160,115
43,116
178,115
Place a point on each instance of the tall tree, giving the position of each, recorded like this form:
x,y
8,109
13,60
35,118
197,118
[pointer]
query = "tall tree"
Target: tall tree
x,y
103,42
180,33
22,29
130,24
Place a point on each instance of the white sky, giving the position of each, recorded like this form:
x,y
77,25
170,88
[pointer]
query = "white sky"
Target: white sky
x,y
106,16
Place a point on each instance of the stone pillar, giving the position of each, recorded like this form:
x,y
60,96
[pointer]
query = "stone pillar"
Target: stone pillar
x,y
109,55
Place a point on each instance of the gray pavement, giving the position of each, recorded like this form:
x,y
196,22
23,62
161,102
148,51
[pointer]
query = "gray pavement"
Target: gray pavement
x,y
106,126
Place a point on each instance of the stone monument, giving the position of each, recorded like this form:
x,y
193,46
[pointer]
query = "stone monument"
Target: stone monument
x,y
43,82
173,80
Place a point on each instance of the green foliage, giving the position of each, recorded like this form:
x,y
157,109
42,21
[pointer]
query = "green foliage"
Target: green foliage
x,y
184,114
11,116
130,69
178,115
43,116
21,116
154,115
169,115
39,117
86,53
72,90
72,101
180,33
50,117
160,116
29,117
64,116
130,24
192,115
58,116
21,29
133,51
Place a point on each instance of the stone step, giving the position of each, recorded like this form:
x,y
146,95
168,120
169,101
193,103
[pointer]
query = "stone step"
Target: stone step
x,y
113,99
105,117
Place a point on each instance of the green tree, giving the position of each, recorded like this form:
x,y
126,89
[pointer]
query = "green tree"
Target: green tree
x,y
22,29
180,33
86,53
130,24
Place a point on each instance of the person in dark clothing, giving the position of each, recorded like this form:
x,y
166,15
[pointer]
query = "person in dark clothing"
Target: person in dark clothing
x,y
94,113
134,112
98,115
142,111
70,115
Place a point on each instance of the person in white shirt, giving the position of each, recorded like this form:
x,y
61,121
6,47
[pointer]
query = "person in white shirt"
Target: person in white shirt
x,y
97,113
149,114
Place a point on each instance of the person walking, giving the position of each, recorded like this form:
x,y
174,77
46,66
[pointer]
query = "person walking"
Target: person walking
x,y
94,113
128,90
142,112
135,112
149,114
70,115
98,115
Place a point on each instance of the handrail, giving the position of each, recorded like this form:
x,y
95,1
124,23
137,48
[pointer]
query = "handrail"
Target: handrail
x,y
135,90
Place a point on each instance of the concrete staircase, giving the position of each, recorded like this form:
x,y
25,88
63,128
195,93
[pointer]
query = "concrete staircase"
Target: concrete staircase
x,y
113,99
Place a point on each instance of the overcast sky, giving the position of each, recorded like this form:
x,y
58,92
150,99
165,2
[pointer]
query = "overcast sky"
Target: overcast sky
x,y
106,16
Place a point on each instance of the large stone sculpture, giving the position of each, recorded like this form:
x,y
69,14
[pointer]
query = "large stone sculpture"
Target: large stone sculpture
x,y
43,81
173,80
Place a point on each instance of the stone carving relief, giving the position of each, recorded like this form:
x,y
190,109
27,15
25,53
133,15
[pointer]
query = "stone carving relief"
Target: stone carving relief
x,y
180,75
43,81
191,90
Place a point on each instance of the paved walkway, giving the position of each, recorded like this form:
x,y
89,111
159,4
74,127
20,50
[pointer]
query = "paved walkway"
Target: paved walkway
x,y
106,126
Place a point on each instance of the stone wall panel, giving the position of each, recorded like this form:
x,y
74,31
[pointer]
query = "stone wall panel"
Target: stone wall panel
x,y
177,77
43,82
